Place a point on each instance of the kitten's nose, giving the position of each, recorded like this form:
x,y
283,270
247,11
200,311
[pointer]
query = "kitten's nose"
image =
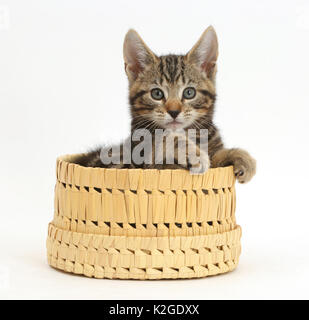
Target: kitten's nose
x,y
174,113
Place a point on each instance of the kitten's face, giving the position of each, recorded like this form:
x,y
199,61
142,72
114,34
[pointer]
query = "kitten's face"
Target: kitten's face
x,y
174,91
172,94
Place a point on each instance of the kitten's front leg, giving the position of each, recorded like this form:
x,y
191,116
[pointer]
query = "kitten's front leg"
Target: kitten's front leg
x,y
198,161
244,165
185,154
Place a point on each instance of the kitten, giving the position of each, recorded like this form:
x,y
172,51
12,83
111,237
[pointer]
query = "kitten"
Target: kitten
x,y
176,92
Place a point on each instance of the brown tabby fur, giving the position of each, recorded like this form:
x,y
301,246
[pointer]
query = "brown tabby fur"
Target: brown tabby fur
x,y
172,74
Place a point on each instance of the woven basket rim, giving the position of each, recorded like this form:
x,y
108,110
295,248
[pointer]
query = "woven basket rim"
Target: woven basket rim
x,y
69,158
148,179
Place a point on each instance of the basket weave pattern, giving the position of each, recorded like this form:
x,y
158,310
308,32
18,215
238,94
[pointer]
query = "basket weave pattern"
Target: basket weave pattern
x,y
143,224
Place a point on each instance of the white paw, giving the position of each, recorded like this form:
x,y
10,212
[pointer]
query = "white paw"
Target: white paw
x,y
198,164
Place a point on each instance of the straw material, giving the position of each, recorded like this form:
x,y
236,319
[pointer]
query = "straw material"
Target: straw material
x,y
143,224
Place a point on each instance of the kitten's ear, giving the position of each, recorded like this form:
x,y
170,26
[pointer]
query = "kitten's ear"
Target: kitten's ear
x,y
205,52
136,54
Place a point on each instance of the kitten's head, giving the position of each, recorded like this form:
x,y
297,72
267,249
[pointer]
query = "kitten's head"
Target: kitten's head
x,y
173,91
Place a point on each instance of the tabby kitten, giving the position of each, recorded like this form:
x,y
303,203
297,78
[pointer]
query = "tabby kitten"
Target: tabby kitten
x,y
176,92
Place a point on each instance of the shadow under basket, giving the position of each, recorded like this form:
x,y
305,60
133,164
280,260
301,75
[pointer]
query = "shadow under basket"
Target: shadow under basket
x,y
143,224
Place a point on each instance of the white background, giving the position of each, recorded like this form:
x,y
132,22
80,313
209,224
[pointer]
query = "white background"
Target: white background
x,y
63,90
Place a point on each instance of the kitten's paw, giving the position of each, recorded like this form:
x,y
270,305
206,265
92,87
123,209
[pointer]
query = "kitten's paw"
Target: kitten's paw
x,y
244,167
200,166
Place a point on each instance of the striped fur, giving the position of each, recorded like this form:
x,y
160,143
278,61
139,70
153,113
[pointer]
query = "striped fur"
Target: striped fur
x,y
172,74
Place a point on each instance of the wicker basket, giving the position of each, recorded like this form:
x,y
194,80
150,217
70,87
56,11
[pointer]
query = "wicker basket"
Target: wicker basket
x,y
143,224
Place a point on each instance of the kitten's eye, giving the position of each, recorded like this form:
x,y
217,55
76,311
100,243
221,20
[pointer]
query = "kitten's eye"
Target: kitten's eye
x,y
189,93
157,94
